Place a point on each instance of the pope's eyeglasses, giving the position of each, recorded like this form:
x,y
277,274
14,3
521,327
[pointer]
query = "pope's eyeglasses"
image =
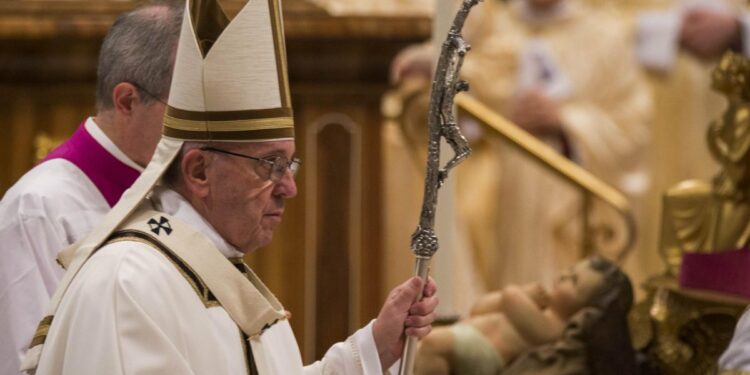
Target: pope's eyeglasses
x,y
274,167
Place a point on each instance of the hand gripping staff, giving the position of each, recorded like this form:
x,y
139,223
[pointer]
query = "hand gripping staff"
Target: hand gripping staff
x,y
441,123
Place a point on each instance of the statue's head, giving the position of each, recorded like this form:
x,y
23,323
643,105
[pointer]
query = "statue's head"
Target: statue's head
x,y
615,293
593,282
596,339
729,136
731,77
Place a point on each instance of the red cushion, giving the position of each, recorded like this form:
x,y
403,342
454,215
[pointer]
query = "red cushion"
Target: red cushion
x,y
725,272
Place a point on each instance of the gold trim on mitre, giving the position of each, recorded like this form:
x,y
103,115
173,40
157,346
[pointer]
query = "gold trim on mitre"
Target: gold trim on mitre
x,y
231,136
262,124
226,126
280,51
230,81
229,115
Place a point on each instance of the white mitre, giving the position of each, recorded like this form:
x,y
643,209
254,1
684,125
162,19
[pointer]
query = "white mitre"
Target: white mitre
x,y
230,81
229,84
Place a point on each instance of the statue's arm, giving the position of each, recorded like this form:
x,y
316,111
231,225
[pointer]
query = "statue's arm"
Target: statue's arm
x,y
491,302
487,303
528,318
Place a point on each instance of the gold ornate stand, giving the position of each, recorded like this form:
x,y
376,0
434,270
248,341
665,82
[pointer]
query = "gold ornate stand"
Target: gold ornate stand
x,y
685,331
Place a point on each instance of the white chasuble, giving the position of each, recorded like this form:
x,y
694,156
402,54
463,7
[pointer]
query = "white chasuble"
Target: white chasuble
x,y
133,309
736,357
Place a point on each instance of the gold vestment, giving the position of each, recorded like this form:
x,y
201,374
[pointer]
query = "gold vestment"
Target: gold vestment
x,y
524,223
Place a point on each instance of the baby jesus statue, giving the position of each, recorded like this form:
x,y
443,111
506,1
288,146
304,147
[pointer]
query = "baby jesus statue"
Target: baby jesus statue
x,y
504,324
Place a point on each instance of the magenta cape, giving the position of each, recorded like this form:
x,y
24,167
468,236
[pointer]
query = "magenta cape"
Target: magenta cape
x,y
111,176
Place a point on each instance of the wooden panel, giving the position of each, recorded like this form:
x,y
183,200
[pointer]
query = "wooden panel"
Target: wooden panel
x,y
52,111
332,235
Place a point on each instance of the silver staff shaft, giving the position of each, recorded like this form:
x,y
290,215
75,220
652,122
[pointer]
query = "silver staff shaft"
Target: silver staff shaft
x,y
410,347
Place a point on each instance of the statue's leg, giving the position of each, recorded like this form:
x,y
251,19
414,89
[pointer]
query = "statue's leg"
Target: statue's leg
x,y
435,351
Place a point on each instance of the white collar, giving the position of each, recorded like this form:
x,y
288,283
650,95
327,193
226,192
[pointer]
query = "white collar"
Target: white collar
x,y
96,132
172,203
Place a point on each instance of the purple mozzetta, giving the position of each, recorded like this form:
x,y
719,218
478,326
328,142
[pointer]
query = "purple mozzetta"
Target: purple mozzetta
x,y
111,176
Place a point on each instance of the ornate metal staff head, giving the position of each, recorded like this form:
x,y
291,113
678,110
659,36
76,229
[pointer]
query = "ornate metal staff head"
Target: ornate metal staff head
x,y
442,124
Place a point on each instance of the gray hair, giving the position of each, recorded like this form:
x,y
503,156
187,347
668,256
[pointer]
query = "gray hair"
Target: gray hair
x,y
140,49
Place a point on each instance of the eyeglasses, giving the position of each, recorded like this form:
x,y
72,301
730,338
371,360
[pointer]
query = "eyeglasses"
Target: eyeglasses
x,y
140,88
274,167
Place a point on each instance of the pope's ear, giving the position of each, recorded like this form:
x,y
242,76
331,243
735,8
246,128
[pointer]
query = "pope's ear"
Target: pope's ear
x,y
194,174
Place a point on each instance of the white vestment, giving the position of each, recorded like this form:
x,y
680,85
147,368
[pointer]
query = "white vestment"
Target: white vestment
x,y
130,311
52,206
737,355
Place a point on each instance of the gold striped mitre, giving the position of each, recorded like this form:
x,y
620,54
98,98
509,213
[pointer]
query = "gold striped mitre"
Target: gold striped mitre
x,y
230,81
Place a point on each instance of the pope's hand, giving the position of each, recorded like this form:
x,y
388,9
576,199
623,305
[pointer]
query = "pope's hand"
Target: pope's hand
x,y
707,34
536,113
400,314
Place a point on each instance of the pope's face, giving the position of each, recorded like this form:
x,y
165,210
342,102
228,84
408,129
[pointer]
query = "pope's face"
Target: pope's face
x,y
243,206
574,288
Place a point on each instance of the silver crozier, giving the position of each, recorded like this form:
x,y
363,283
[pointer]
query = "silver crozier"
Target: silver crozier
x,y
441,123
